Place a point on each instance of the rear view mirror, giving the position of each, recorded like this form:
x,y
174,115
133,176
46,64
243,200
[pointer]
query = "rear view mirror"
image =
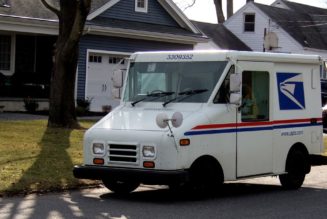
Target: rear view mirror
x,y
235,83
117,78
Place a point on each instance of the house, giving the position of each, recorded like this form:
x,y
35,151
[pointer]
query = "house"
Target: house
x,y
284,26
114,29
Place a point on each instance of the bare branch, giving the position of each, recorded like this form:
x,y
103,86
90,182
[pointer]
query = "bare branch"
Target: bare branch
x,y
51,8
190,5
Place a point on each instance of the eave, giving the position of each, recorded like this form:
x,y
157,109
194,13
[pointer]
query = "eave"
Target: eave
x,y
145,35
28,25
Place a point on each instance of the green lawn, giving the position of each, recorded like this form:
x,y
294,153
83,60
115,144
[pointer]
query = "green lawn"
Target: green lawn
x,y
36,158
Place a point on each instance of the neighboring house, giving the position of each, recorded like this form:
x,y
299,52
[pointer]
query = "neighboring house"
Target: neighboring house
x,y
114,29
284,26
220,38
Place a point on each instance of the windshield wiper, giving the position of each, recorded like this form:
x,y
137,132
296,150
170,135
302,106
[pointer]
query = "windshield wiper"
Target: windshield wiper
x,y
155,96
185,94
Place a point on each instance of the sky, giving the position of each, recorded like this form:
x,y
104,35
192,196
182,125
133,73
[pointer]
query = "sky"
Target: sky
x,y
204,10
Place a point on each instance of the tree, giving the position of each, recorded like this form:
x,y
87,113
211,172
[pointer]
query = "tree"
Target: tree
x,y
230,8
72,15
219,11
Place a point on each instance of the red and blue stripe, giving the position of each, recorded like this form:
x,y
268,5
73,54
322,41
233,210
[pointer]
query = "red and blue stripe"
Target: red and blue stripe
x,y
253,126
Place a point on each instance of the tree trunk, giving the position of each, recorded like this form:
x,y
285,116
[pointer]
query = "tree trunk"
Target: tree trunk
x,y
72,16
62,103
229,8
219,11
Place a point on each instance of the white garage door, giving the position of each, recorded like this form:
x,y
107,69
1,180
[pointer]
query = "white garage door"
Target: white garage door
x,y
99,84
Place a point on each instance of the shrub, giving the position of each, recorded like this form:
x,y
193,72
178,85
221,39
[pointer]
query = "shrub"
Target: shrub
x,y
30,104
84,103
83,106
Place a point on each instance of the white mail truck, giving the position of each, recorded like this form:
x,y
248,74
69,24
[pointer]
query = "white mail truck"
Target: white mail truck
x,y
200,118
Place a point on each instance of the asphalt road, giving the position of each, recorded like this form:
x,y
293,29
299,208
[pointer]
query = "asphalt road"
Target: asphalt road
x,y
255,198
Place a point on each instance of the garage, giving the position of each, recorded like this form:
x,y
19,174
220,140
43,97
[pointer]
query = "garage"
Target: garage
x,y
100,67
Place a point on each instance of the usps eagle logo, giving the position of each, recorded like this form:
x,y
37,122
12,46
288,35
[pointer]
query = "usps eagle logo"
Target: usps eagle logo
x,y
290,91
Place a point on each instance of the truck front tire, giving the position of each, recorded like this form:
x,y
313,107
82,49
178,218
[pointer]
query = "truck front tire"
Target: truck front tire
x,y
206,176
120,187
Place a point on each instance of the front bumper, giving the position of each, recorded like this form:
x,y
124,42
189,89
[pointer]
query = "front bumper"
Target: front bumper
x,y
146,176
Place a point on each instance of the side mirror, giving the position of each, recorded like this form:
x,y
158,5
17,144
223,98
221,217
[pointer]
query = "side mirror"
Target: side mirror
x,y
117,78
235,83
235,98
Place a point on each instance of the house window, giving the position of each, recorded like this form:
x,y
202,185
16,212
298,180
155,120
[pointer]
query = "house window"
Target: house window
x,y
95,59
116,60
5,52
249,22
141,6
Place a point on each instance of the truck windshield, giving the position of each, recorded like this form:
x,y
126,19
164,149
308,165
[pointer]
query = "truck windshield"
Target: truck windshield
x,y
171,79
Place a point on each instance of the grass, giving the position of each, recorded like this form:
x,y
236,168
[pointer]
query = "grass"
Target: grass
x,y
34,158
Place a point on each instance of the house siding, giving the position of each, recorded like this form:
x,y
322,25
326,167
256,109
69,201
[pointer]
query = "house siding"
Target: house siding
x,y
125,10
255,39
103,43
286,44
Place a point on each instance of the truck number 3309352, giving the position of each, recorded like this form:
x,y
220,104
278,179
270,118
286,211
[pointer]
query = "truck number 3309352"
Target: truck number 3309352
x,y
180,57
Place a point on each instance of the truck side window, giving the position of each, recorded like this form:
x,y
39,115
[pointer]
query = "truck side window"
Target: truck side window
x,y
255,96
223,94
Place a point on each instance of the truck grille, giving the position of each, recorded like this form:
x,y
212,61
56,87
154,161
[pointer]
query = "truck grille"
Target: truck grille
x,y
123,153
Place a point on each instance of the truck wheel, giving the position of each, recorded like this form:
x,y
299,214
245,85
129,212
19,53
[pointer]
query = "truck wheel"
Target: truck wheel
x,y
120,187
295,167
206,177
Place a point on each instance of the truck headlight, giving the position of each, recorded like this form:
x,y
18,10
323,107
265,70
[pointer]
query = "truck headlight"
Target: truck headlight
x,y
98,148
148,151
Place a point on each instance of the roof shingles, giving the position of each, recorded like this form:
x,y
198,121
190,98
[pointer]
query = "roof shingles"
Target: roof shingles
x,y
306,24
221,36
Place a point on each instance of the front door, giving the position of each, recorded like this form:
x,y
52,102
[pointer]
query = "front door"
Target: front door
x,y
254,127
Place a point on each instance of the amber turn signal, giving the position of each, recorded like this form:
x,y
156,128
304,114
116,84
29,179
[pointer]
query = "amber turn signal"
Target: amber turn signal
x,y
184,142
98,161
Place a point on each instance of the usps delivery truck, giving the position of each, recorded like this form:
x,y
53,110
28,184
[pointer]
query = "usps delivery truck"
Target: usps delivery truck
x,y
202,118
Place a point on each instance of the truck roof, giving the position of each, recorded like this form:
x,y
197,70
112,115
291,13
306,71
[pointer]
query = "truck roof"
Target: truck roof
x,y
222,55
